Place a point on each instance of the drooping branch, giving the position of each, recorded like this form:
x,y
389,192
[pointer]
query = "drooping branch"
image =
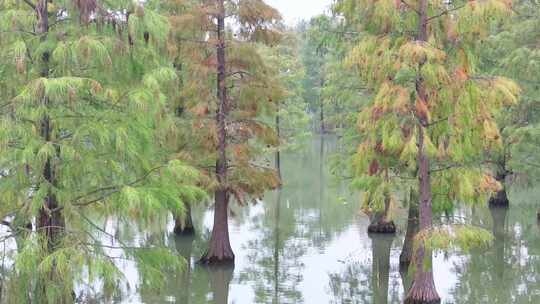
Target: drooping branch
x,y
32,5
110,190
445,12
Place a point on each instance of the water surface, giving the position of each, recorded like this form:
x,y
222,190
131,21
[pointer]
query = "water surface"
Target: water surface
x,y
308,243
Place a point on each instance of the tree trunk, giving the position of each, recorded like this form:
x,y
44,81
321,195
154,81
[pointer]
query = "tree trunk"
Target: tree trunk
x,y
50,220
184,225
423,289
406,255
379,221
500,199
380,274
278,152
220,251
321,104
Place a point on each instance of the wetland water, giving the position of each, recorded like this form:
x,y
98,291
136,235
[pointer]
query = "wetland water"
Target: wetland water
x,y
308,243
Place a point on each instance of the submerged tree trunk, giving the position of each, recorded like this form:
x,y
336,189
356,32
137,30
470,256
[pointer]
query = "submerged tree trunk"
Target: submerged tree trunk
x,y
380,274
220,251
406,255
184,225
423,289
379,221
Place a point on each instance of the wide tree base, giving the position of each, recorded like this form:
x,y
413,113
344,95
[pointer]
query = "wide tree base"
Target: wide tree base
x,y
213,260
184,231
404,264
422,301
423,291
500,200
422,297
382,227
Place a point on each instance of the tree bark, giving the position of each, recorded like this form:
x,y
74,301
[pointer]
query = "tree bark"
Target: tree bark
x,y
423,289
406,255
184,225
220,251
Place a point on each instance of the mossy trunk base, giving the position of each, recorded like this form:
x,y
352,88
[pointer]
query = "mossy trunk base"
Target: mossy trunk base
x,y
183,226
382,227
214,260
499,200
180,231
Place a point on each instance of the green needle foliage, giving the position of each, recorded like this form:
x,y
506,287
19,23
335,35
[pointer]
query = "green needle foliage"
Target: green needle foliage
x,y
432,115
84,87
458,117
228,91
513,52
292,120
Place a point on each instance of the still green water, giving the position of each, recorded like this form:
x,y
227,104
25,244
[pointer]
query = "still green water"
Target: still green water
x,y
308,243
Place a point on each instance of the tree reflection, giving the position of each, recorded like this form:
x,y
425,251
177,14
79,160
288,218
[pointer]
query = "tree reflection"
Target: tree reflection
x,y
380,274
274,268
365,283
509,272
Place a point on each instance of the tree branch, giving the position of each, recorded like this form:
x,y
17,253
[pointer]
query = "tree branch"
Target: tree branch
x,y
32,5
410,6
446,12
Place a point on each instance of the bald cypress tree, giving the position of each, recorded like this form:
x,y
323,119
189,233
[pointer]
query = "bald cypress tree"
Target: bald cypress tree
x,y
84,86
227,92
512,51
432,114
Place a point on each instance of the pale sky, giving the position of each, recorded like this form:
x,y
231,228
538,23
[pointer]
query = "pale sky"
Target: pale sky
x,y
295,10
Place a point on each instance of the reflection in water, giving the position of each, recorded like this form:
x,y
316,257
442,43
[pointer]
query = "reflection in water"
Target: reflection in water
x,y
380,261
510,271
220,278
308,243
